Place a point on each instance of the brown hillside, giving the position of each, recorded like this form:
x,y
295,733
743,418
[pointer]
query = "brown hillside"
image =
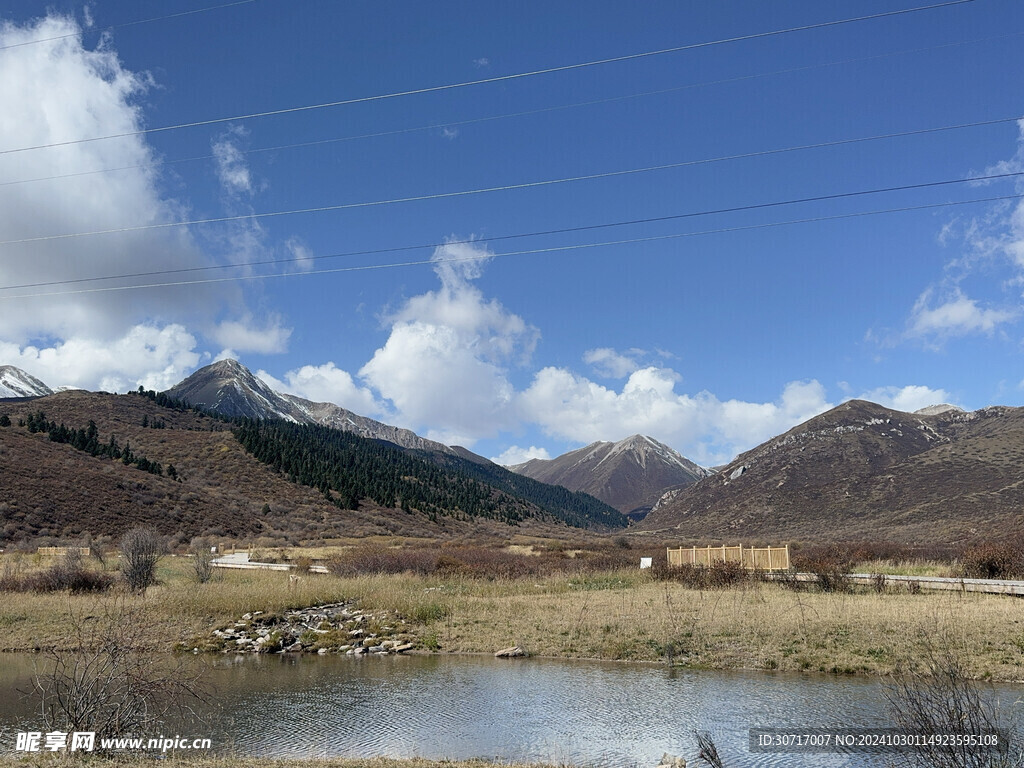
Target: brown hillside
x,y
861,471
50,489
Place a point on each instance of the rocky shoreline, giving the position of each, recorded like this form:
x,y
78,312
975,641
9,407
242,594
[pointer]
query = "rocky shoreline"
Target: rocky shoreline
x,y
339,628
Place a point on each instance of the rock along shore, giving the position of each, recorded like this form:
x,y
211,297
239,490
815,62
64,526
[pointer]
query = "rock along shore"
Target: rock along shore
x,y
321,629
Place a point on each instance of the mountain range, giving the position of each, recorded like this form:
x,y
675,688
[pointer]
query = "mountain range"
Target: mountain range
x,y
631,474
858,471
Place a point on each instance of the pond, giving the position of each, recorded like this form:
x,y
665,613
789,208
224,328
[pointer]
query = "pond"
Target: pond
x,y
578,712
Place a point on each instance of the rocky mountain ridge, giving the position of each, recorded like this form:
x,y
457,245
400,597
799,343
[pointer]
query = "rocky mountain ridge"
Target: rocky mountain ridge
x,y
229,388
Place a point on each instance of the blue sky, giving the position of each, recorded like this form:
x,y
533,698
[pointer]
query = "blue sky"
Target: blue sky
x,y
711,332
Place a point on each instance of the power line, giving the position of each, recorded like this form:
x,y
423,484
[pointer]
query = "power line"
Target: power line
x,y
484,190
128,24
496,79
488,256
544,110
476,241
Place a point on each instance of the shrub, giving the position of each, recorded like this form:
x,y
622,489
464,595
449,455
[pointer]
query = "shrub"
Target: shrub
x,y
141,550
69,574
938,697
830,564
476,562
381,560
720,575
202,564
993,561
106,682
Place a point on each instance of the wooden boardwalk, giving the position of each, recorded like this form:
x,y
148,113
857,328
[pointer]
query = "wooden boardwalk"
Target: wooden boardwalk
x,y
990,586
240,561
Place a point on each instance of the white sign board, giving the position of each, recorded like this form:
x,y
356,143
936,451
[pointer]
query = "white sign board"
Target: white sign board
x,y
645,562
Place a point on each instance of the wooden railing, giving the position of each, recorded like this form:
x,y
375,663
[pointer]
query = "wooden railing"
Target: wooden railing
x,y
754,558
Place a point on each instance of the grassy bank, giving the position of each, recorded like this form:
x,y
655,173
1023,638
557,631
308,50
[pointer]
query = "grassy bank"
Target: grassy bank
x,y
617,614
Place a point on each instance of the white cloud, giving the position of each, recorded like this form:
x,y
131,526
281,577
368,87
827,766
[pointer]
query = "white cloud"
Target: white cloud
x,y
1014,165
957,315
515,455
445,369
449,133
481,62
244,336
232,169
57,91
701,426
746,424
458,261
608,363
156,358
299,251
444,364
909,398
436,379
992,245
326,384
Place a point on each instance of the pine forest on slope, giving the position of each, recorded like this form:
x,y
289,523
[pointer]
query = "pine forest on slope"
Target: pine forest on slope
x,y
347,468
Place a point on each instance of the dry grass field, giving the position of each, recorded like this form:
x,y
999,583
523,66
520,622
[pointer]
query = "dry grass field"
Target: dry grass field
x,y
621,614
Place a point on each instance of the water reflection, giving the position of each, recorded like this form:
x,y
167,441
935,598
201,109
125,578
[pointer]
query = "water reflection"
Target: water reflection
x,y
575,712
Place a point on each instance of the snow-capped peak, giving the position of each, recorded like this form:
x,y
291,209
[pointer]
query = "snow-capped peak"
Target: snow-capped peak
x,y
14,382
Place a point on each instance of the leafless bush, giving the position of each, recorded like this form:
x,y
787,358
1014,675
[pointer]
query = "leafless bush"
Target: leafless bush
x,y
141,550
106,682
994,561
897,553
937,697
719,575
830,564
71,574
708,752
202,564
380,560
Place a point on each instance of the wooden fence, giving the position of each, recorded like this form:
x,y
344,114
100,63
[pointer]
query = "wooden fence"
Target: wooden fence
x,y
59,551
754,558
